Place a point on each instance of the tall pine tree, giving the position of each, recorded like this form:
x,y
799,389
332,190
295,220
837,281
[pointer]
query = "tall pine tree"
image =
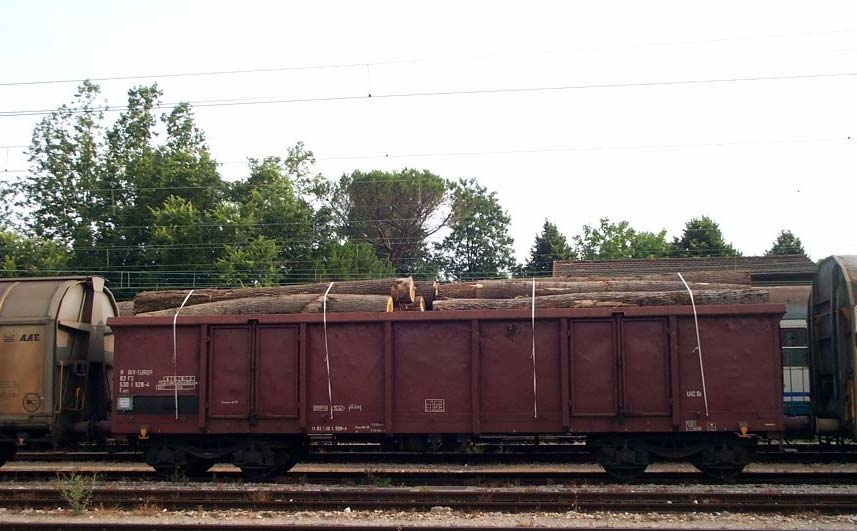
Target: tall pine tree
x,y
550,245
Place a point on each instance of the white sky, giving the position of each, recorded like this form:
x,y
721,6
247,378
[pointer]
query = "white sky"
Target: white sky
x,y
757,156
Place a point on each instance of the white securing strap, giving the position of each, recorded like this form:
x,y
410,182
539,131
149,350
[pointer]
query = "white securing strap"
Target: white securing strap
x,y
175,376
327,352
698,343
533,356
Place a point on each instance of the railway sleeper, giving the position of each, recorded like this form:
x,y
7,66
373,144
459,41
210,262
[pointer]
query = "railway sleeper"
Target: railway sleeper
x,y
721,457
258,457
8,449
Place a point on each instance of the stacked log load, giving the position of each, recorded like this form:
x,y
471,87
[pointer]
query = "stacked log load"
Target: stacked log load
x,y
587,292
405,294
381,295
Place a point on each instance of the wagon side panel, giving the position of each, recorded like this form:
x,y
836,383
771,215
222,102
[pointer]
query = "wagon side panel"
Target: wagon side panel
x,y
432,377
511,398
645,368
740,362
277,372
345,378
594,378
150,390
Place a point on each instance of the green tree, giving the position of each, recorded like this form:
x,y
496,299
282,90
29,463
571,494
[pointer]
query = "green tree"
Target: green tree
x,y
478,245
94,189
269,200
702,237
179,236
550,245
61,191
786,243
255,263
22,256
614,241
129,163
395,212
352,261
651,245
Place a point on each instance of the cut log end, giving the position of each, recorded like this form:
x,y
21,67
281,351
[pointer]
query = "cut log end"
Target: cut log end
x,y
418,305
403,290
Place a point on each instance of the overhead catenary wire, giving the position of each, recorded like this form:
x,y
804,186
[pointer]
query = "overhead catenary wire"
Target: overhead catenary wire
x,y
443,93
377,63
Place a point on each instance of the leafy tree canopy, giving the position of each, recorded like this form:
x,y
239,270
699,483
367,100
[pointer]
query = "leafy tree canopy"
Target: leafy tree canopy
x,y
786,243
478,245
352,261
396,212
21,256
702,237
614,241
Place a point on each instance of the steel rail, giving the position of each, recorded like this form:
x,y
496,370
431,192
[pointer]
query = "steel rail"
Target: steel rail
x,y
463,499
496,478
110,525
514,454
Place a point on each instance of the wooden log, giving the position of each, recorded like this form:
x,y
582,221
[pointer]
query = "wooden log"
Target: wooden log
x,y
403,291
126,308
418,305
297,303
511,289
611,298
150,301
725,276
428,290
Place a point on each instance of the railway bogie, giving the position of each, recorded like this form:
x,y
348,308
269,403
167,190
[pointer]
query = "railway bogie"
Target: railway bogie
x,y
257,456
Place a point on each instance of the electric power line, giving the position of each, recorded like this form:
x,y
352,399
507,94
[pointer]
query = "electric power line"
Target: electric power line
x,y
368,64
472,92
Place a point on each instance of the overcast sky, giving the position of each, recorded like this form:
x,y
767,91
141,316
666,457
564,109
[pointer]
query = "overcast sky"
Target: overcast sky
x,y
653,112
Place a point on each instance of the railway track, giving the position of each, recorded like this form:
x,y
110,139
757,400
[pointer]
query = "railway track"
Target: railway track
x,y
492,478
423,499
72,525
518,454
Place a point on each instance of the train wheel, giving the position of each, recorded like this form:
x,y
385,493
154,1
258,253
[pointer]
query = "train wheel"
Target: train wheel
x,y
259,461
720,472
624,473
197,466
259,473
7,452
724,461
175,463
621,459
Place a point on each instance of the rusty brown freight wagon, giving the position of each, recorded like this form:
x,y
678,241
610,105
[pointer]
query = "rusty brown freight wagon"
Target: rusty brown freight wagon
x,y
251,389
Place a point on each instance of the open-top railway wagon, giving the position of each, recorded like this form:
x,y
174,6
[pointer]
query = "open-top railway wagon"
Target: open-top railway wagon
x,y
636,382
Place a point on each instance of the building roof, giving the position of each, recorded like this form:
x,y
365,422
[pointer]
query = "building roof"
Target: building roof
x,y
787,269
